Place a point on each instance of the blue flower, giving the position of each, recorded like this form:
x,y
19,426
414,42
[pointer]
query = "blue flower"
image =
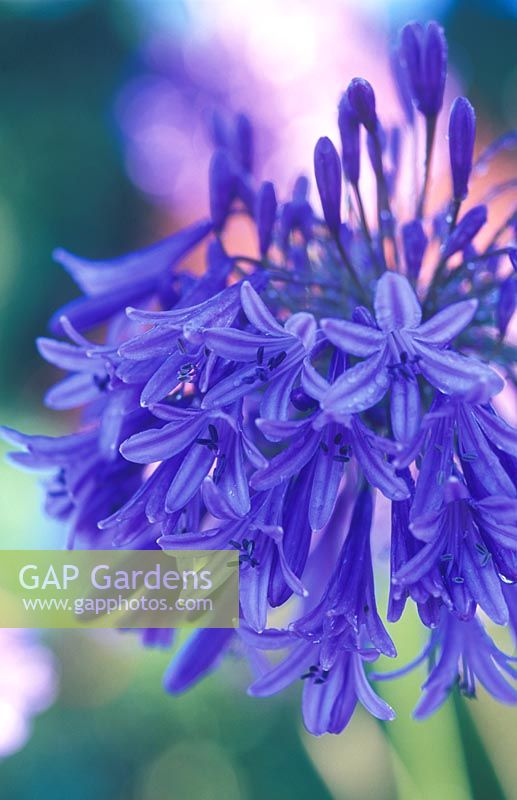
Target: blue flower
x,y
461,653
110,286
399,349
423,52
329,696
463,540
259,406
188,446
273,355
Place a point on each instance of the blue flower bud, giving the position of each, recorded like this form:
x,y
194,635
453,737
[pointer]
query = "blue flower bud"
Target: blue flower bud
x,y
221,187
465,230
506,304
297,215
424,54
265,215
301,400
362,101
346,236
462,132
400,78
219,263
376,145
218,127
244,142
301,189
415,242
327,169
350,146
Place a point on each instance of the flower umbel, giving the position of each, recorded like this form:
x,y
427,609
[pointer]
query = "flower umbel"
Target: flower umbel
x,y
262,405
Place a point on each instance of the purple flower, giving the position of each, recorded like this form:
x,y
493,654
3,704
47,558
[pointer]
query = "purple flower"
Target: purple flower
x,y
506,304
346,616
272,541
297,215
112,285
400,349
187,446
461,653
465,231
250,408
328,446
198,656
457,562
349,133
329,696
405,546
415,243
362,102
223,187
402,85
423,51
265,215
328,178
462,133
83,487
273,352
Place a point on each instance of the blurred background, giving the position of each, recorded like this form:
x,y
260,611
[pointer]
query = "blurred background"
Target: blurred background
x,y
104,146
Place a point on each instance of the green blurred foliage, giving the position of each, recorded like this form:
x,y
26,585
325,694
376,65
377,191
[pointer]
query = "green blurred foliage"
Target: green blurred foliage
x,y
62,182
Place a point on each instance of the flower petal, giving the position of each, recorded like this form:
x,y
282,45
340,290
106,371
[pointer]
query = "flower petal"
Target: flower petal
x,y
238,345
358,388
319,699
365,694
197,656
98,277
327,477
157,444
285,672
497,431
313,383
72,392
359,340
454,374
379,472
279,430
446,324
303,325
277,397
405,408
258,313
191,474
396,304
287,463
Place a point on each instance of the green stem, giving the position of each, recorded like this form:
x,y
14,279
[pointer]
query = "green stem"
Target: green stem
x,y
429,142
353,274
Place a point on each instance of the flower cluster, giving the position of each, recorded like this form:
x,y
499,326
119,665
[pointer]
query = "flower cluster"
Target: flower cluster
x,y
262,406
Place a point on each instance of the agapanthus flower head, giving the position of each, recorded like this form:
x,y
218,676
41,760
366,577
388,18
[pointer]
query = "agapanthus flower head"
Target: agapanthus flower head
x,y
260,406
